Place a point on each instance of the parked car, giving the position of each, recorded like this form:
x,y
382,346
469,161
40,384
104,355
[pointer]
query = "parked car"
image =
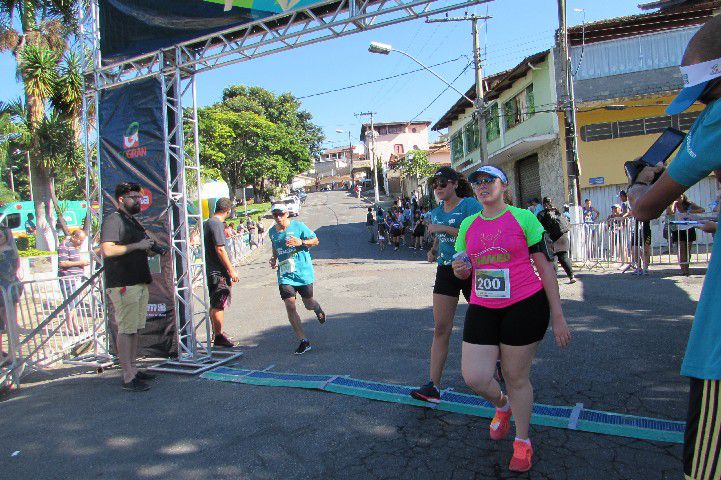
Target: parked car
x,y
300,194
293,204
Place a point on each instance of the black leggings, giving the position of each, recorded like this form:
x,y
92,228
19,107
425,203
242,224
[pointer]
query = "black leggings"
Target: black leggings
x,y
565,263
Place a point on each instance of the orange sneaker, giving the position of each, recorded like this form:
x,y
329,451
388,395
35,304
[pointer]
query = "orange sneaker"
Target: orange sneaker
x,y
521,460
500,425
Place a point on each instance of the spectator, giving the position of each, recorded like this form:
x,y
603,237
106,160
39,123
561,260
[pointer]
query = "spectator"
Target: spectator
x,y
370,225
683,235
616,214
71,271
419,231
557,226
590,214
697,157
30,227
124,245
9,263
261,231
567,211
252,233
220,272
625,206
228,229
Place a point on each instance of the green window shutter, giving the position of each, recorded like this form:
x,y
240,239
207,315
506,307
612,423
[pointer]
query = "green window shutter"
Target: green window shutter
x,y
530,101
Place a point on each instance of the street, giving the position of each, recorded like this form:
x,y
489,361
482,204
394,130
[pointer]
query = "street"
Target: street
x,y
629,334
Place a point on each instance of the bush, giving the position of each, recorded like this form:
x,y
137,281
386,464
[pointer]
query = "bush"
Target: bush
x,y
26,243
34,252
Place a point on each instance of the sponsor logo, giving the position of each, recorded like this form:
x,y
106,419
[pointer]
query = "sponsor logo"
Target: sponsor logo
x,y
157,308
716,69
131,142
685,78
146,200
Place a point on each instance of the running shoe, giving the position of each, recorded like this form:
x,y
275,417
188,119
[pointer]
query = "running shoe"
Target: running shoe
x,y
223,341
135,385
427,393
320,315
644,272
521,460
302,348
500,425
141,375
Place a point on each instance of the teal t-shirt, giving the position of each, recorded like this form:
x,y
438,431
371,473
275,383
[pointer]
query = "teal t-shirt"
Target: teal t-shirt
x,y
700,155
446,243
295,267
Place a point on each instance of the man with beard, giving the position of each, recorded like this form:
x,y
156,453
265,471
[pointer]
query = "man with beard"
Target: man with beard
x,y
124,245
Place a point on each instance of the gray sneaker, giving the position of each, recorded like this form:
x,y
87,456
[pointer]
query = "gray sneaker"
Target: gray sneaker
x,y
135,385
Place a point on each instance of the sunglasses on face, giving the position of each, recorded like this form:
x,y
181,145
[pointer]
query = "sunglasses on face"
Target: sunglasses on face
x,y
440,184
484,181
278,214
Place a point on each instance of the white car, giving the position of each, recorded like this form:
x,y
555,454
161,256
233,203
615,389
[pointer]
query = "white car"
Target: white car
x,y
293,204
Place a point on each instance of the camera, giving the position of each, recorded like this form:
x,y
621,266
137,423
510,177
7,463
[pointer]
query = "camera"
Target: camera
x,y
157,249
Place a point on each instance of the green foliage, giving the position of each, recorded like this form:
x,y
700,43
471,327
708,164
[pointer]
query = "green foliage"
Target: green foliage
x,y
415,164
26,243
35,253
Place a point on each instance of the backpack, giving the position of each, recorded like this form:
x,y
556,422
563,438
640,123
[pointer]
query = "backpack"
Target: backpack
x,y
555,223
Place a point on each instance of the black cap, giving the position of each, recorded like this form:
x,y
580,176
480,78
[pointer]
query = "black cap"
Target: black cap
x,y
447,173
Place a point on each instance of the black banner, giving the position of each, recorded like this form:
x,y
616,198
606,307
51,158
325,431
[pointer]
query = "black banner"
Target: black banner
x,y
130,28
132,149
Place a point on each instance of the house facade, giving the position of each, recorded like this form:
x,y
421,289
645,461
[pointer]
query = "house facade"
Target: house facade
x,y
439,155
522,130
337,162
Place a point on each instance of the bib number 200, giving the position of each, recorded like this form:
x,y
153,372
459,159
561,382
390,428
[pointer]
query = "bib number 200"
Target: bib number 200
x,y
493,283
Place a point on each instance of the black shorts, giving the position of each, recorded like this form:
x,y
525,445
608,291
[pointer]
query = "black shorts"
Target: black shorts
x,y
701,442
449,285
289,291
645,233
688,236
218,290
522,323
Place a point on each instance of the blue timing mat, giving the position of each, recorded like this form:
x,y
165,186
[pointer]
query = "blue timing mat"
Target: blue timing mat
x,y
572,418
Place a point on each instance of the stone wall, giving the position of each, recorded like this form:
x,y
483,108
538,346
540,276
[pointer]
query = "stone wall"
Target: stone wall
x,y
552,172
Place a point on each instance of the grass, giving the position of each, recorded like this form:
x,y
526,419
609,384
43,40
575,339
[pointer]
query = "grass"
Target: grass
x,y
254,209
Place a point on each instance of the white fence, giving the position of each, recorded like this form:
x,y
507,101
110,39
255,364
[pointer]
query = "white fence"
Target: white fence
x,y
621,242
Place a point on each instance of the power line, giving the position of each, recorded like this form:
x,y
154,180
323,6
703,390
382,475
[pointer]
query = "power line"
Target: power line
x,y
440,94
369,82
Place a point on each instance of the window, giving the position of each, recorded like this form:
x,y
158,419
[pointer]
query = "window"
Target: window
x,y
398,149
11,220
413,130
520,108
395,129
471,136
640,126
493,124
456,146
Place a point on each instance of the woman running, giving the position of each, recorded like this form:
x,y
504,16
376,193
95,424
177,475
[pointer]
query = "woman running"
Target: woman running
x,y
456,203
510,305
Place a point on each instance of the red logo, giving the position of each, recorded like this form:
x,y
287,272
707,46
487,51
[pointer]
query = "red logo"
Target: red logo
x,y
146,200
131,142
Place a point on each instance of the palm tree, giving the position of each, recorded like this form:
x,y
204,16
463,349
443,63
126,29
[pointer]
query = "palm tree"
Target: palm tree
x,y
37,47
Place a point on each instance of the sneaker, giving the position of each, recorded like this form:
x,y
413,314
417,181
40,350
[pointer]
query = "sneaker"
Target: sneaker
x,y
303,347
320,315
141,375
222,341
645,273
521,460
571,281
427,393
500,425
638,271
135,385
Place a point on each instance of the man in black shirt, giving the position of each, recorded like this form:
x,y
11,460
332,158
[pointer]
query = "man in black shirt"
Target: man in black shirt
x,y
370,223
220,272
124,245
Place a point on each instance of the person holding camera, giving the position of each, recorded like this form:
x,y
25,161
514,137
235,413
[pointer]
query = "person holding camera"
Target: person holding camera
x,y
219,269
124,245
652,190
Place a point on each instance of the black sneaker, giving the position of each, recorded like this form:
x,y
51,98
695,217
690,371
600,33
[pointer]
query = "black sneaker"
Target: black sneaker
x,y
135,385
427,393
223,341
303,347
141,375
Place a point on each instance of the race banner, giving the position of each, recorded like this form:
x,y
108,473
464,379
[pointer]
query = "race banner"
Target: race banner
x,y
129,28
132,149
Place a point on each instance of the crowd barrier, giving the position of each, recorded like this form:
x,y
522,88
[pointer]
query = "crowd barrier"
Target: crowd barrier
x,y
237,248
621,241
52,320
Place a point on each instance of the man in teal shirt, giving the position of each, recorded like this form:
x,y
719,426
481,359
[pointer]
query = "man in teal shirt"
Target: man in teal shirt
x,y
291,240
698,156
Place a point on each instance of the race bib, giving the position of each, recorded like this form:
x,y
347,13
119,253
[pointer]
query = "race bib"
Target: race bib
x,y
286,266
493,283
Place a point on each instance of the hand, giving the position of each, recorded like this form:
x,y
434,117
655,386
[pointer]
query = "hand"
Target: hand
x,y
709,227
293,242
648,174
434,228
273,263
234,278
431,256
460,269
561,331
144,244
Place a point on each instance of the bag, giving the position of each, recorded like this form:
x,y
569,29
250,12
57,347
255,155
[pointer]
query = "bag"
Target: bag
x,y
556,224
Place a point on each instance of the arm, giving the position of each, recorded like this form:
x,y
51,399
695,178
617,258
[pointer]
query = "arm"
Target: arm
x,y
69,264
433,251
435,228
648,202
112,249
274,259
550,286
225,261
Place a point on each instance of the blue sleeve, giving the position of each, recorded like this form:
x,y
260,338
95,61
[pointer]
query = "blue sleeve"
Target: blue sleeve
x,y
699,154
472,206
306,233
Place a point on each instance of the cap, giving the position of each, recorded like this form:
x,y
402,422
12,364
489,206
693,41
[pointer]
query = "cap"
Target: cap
x,y
615,205
488,170
448,173
279,207
695,78
622,192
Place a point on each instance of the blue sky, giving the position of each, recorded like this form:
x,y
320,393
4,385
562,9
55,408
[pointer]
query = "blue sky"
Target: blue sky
x,y
518,28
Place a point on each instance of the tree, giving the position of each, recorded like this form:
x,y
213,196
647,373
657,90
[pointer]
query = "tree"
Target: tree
x,y
35,32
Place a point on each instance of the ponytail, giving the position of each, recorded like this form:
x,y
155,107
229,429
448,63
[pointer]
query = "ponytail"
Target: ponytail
x,y
464,188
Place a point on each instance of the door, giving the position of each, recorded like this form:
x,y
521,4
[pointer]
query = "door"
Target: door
x,y
529,180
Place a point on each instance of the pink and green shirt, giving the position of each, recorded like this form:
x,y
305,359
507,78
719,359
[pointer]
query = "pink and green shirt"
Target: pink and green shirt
x,y
501,263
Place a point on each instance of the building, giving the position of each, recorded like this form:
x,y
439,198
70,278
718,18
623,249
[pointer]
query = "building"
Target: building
x,y
336,162
625,74
439,155
394,138
522,129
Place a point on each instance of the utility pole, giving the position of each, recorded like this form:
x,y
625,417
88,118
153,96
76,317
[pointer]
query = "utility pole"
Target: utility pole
x,y
373,153
480,104
350,152
569,106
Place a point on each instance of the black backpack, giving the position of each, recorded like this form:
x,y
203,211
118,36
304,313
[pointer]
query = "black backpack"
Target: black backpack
x,y
555,223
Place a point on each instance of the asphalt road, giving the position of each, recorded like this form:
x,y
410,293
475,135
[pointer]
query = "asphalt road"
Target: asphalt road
x,y
628,337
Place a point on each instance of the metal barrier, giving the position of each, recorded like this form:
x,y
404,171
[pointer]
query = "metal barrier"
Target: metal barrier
x,y
52,320
238,247
622,242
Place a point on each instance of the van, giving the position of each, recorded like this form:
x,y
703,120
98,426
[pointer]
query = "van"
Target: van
x,y
13,215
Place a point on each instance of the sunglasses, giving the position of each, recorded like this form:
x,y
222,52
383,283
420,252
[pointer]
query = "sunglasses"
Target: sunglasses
x,y
484,181
440,184
278,214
